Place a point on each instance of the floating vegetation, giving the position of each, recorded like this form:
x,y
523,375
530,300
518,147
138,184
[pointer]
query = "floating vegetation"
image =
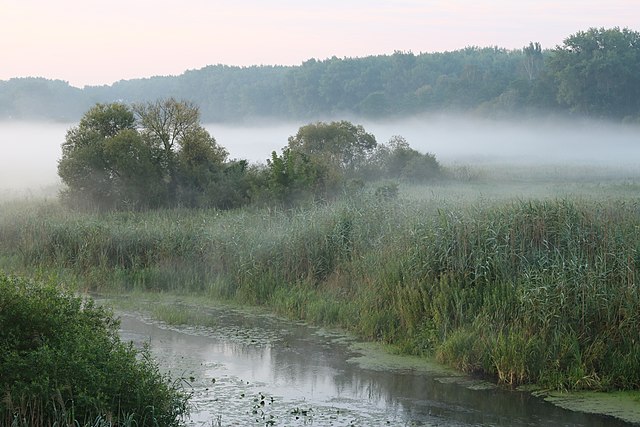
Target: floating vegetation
x,y
622,405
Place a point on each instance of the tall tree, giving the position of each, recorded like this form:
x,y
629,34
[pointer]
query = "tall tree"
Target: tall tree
x,y
533,60
167,125
200,168
165,157
344,144
90,166
597,72
318,159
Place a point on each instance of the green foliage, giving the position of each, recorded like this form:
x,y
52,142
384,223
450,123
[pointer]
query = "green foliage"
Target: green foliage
x,y
62,363
485,80
294,176
527,290
135,175
543,281
597,72
319,160
104,160
533,61
593,72
113,160
397,160
342,144
325,159
36,98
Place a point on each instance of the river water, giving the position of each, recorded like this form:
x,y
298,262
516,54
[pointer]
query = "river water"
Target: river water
x,y
259,370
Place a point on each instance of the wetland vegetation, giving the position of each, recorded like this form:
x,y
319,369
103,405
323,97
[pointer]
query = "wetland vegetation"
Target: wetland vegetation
x,y
504,272
62,363
528,290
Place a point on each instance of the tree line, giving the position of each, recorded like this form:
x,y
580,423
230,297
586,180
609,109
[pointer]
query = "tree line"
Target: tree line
x,y
157,154
593,72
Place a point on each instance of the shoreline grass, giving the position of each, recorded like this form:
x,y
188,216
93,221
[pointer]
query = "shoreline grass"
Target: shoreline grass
x,y
541,290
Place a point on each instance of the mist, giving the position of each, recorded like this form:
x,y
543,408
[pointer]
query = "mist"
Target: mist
x,y
31,150
471,140
253,142
29,154
524,142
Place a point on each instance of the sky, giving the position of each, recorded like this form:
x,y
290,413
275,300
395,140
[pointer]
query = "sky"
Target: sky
x,y
87,42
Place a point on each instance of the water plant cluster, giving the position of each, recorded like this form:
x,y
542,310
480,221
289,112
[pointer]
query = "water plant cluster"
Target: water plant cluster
x,y
62,364
539,290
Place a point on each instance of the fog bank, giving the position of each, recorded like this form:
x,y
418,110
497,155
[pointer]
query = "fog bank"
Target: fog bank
x,y
30,151
29,154
470,140
528,142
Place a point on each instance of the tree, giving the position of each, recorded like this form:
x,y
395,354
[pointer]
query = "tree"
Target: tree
x,y
345,145
136,178
597,72
165,157
237,183
91,166
200,164
164,125
318,160
397,160
294,176
533,60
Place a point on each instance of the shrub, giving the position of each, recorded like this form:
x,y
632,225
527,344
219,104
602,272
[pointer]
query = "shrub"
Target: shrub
x,y
63,364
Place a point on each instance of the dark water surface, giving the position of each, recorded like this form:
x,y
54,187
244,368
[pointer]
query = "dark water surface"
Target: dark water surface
x,y
260,370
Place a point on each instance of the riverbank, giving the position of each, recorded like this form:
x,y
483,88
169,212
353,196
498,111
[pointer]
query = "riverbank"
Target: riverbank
x,y
311,354
537,290
63,364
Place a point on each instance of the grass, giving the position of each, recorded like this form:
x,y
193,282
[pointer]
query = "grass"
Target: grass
x,y
535,288
182,315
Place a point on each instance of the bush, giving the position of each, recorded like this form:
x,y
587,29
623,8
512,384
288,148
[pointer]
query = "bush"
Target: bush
x,y
63,364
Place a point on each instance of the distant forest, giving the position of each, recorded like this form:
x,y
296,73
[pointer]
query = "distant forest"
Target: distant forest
x,y
594,73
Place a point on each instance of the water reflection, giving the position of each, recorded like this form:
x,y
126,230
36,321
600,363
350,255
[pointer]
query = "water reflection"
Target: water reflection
x,y
252,370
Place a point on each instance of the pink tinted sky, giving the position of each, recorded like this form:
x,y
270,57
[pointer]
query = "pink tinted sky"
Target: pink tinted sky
x,y
98,42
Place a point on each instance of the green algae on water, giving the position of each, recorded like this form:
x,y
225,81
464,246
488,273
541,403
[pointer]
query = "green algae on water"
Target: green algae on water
x,y
624,405
377,357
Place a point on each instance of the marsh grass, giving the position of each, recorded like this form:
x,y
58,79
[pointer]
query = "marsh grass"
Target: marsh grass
x,y
177,315
541,288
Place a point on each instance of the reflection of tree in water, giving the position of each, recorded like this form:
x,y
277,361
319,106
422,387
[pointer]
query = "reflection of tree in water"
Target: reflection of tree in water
x,y
313,363
249,356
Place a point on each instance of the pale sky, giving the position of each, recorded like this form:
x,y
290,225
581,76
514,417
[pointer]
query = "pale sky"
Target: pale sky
x,y
89,42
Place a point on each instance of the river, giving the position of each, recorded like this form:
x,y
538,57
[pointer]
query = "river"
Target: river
x,y
261,370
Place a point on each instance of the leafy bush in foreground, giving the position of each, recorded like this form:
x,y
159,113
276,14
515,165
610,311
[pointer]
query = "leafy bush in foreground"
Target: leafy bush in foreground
x,y
62,363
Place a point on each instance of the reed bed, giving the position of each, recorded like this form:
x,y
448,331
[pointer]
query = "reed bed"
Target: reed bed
x,y
528,290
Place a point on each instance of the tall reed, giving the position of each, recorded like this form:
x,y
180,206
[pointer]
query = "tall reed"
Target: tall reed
x,y
540,290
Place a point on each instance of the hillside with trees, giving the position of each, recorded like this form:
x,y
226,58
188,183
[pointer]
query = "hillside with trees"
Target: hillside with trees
x,y
593,72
